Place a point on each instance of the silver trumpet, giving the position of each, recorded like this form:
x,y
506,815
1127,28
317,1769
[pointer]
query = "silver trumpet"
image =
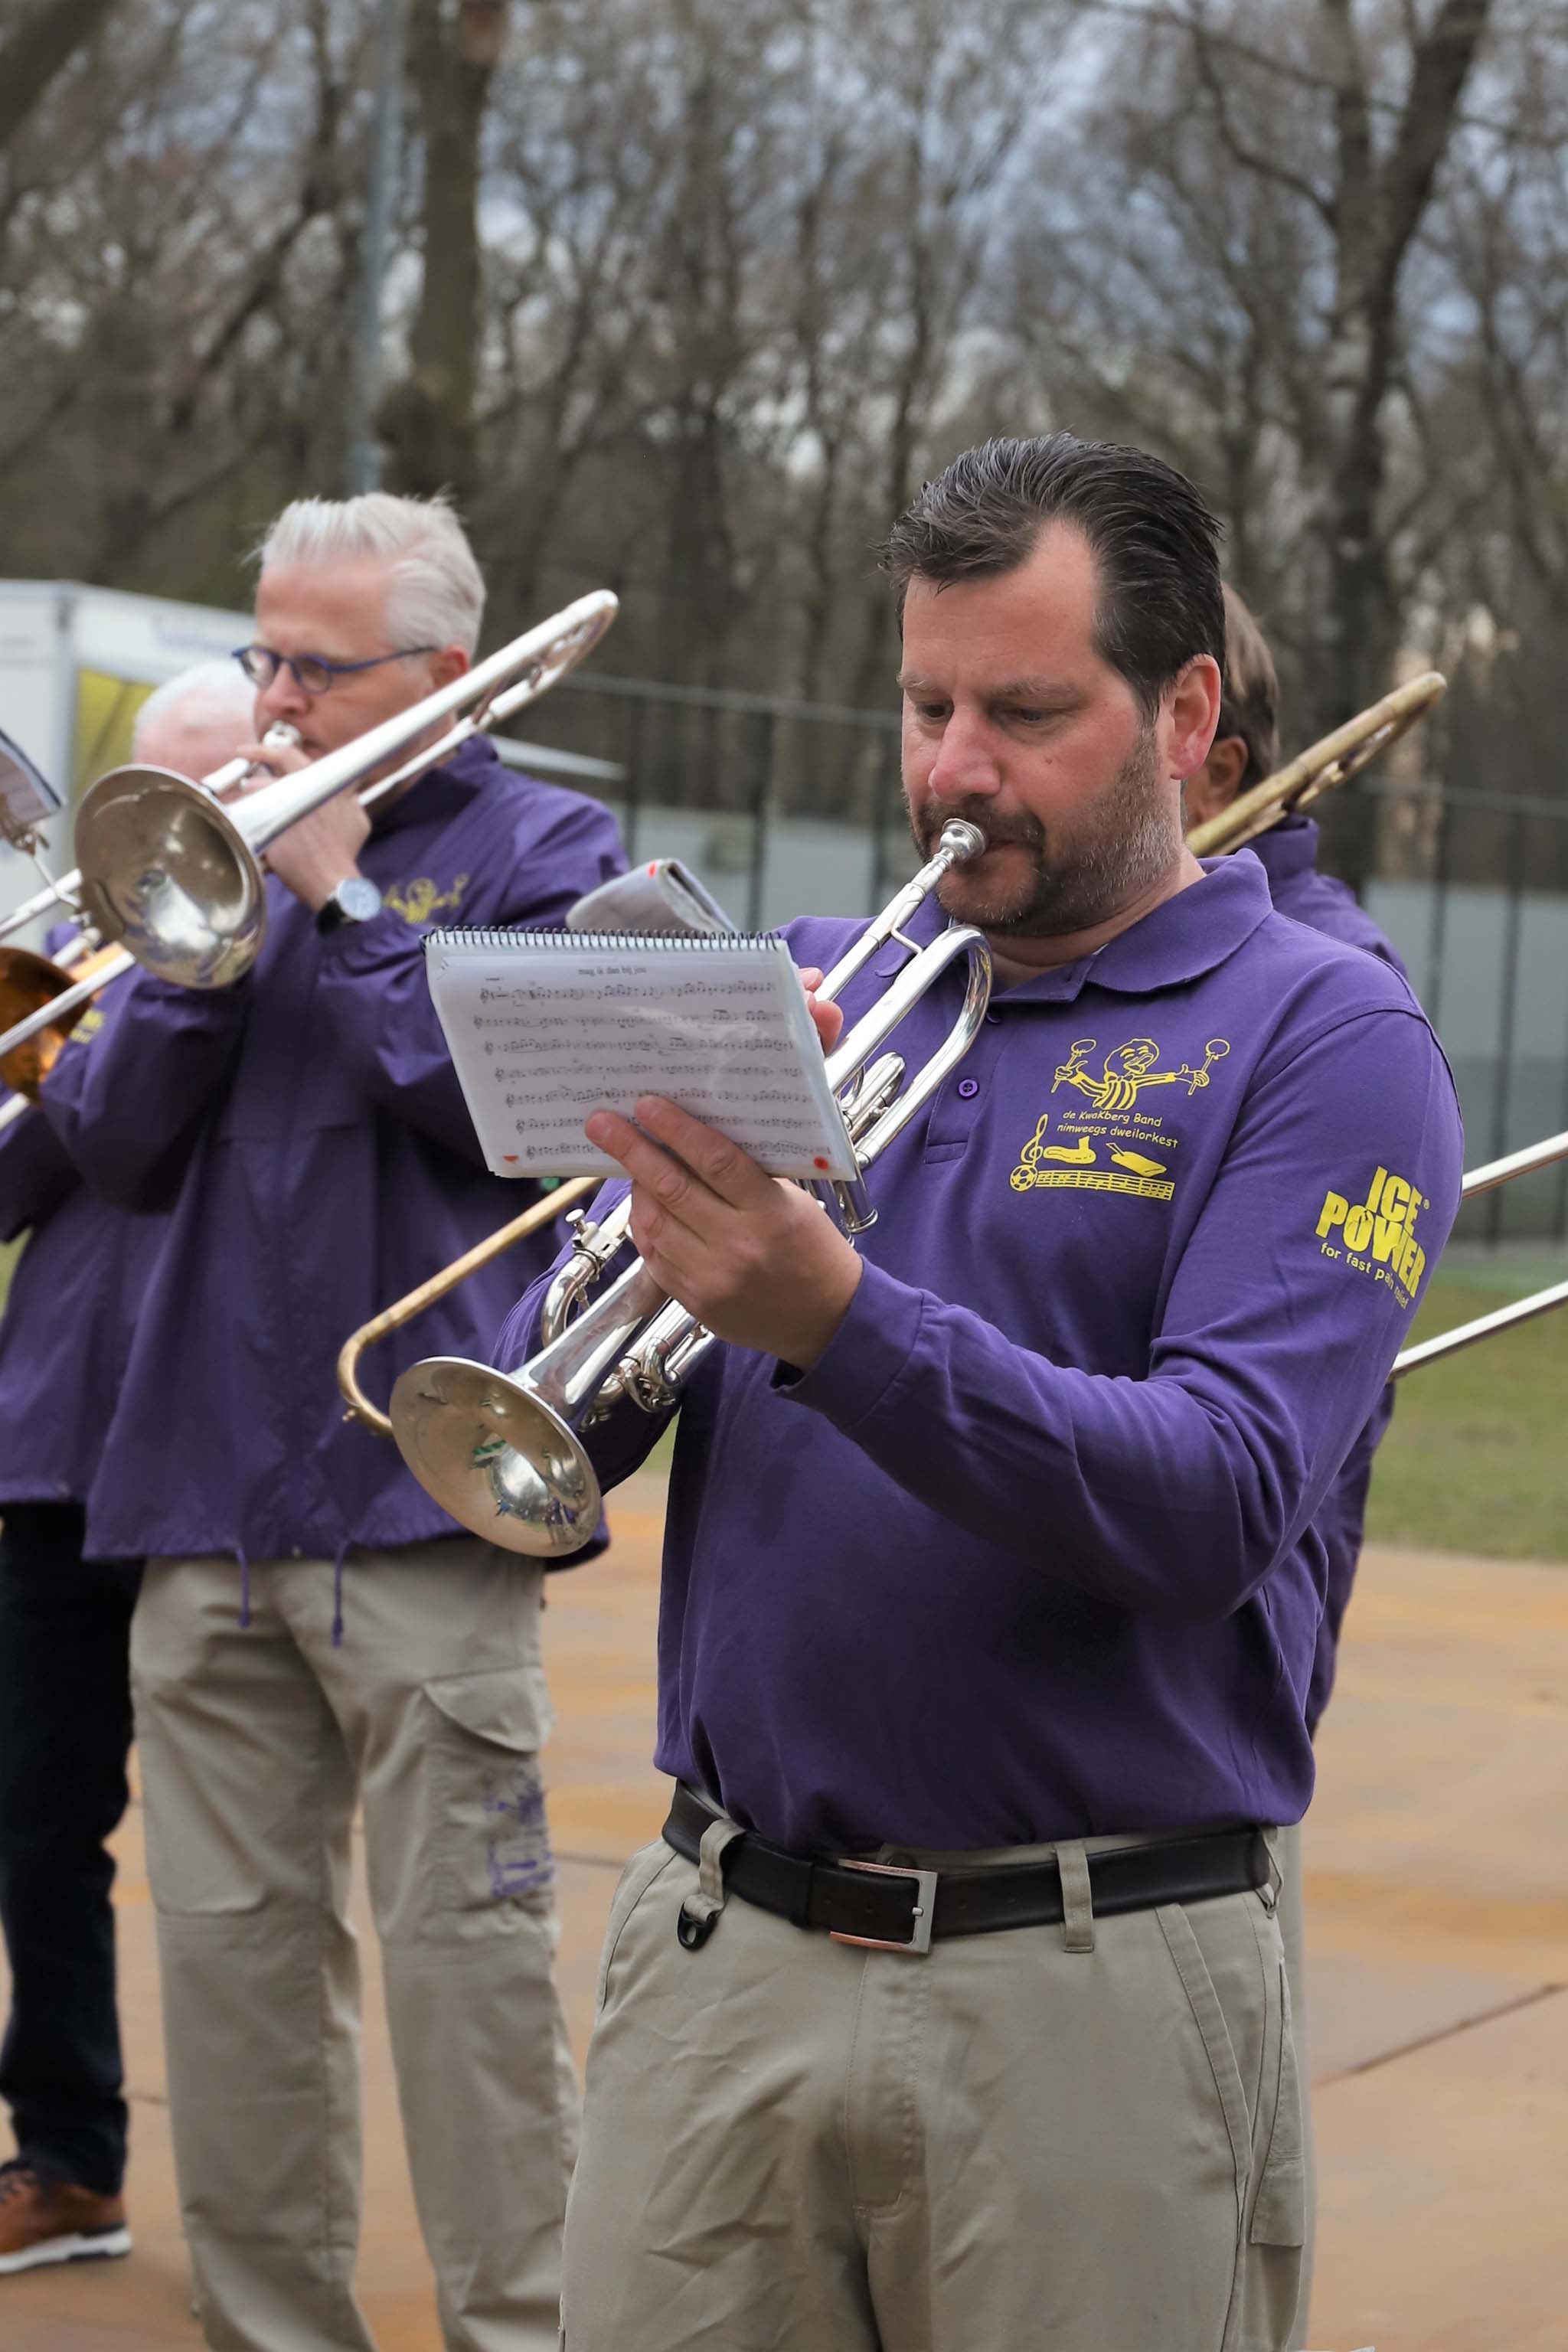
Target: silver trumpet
x,y
503,1453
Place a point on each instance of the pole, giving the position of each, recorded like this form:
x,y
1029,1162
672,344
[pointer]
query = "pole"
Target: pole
x,y
364,450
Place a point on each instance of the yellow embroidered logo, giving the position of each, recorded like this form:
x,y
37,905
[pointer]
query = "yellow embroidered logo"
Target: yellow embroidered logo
x,y
1112,1128
1129,1071
1379,1233
416,901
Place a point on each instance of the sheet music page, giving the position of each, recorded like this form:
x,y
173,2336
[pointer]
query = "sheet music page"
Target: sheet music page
x,y
27,796
546,1027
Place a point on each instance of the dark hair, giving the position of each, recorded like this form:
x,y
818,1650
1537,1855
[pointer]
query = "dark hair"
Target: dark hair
x,y
1154,541
1250,706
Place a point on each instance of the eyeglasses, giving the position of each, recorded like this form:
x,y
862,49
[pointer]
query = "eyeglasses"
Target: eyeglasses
x,y
311,673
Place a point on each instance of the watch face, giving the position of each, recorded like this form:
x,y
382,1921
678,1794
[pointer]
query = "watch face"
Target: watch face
x,y
359,897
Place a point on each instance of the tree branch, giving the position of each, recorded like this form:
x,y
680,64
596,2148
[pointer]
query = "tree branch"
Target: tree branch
x,y
42,47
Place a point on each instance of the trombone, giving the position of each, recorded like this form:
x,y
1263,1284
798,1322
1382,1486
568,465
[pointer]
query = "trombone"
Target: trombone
x,y
1334,759
42,999
503,1454
66,889
176,878
1518,1310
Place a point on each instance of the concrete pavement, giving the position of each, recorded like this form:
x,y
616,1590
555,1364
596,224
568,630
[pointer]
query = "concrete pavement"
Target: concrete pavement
x,y
1437,1921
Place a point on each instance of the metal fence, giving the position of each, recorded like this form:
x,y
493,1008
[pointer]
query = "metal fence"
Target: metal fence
x,y
786,808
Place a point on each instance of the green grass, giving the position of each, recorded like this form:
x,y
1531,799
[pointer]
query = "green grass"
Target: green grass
x,y
1475,1460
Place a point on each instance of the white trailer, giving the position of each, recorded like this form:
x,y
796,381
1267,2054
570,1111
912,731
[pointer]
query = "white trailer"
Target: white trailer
x,y
75,663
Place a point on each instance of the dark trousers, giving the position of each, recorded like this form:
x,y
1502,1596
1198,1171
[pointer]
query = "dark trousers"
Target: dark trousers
x,y
65,1734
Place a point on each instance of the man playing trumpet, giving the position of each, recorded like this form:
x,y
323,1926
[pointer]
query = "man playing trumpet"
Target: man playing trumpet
x,y
950,2009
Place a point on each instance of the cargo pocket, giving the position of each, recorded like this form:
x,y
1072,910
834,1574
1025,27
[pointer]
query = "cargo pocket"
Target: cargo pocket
x,y
491,1840
1280,2209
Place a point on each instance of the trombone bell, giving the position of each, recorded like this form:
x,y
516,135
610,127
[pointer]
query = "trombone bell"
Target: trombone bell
x,y
168,872
495,1456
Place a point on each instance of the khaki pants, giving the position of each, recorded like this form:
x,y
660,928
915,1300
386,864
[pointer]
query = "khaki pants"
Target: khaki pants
x,y
1078,2138
254,1746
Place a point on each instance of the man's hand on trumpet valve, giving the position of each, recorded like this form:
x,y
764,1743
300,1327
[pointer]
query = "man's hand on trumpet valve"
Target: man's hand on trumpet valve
x,y
323,849
753,1257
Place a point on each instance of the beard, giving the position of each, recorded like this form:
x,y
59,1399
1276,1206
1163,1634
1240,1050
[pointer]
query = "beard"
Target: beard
x,y
1116,848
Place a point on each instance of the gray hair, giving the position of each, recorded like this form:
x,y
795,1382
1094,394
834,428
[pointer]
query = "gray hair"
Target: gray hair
x,y
438,593
210,695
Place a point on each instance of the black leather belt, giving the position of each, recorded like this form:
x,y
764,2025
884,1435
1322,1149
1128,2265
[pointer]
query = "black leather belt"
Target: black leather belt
x,y
900,1910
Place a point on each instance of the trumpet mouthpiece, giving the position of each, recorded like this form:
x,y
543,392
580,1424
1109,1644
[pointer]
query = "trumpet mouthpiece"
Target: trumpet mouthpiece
x,y
962,839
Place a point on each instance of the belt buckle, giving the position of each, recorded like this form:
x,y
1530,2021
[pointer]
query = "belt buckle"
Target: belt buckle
x,y
924,1914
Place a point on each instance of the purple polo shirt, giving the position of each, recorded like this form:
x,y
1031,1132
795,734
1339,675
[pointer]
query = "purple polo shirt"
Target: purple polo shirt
x,y
1289,856
66,1332
307,1128
1029,1553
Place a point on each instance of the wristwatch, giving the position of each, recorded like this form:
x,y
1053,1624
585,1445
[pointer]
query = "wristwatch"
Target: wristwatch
x,y
355,900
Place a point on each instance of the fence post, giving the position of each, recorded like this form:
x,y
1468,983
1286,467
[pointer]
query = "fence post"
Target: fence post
x,y
889,778
632,735
1507,1013
760,761
1437,934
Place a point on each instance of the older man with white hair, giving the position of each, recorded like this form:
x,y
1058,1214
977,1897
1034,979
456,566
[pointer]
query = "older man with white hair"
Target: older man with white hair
x,y
65,1627
312,1630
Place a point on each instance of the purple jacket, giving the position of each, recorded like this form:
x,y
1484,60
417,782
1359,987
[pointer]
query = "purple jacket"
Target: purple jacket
x,y
1030,1552
1289,856
308,1130
75,1289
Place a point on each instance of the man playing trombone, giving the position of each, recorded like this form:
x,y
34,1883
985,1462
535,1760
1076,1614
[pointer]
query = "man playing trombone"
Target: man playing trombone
x,y
1245,751
949,2010
311,1632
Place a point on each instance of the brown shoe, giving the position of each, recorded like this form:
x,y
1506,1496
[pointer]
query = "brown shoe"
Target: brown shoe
x,y
45,2220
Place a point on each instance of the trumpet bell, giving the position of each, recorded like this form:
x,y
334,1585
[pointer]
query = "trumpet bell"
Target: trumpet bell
x,y
168,872
28,983
495,1456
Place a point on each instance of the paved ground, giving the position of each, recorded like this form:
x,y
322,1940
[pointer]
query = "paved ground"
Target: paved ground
x,y
1437,1901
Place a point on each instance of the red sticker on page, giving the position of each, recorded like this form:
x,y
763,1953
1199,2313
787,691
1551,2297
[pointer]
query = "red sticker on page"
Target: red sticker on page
x,y
510,1158
819,1162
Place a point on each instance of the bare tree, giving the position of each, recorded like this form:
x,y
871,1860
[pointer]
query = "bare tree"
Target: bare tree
x,y
40,47
428,420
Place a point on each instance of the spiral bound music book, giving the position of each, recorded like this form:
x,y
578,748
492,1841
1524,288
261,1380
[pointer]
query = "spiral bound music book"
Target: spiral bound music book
x,y
546,1027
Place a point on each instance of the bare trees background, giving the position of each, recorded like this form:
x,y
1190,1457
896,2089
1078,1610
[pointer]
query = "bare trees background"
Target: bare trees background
x,y
689,295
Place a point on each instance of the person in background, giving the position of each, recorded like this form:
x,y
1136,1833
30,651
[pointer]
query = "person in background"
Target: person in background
x,y
314,1633
65,1624
1245,751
